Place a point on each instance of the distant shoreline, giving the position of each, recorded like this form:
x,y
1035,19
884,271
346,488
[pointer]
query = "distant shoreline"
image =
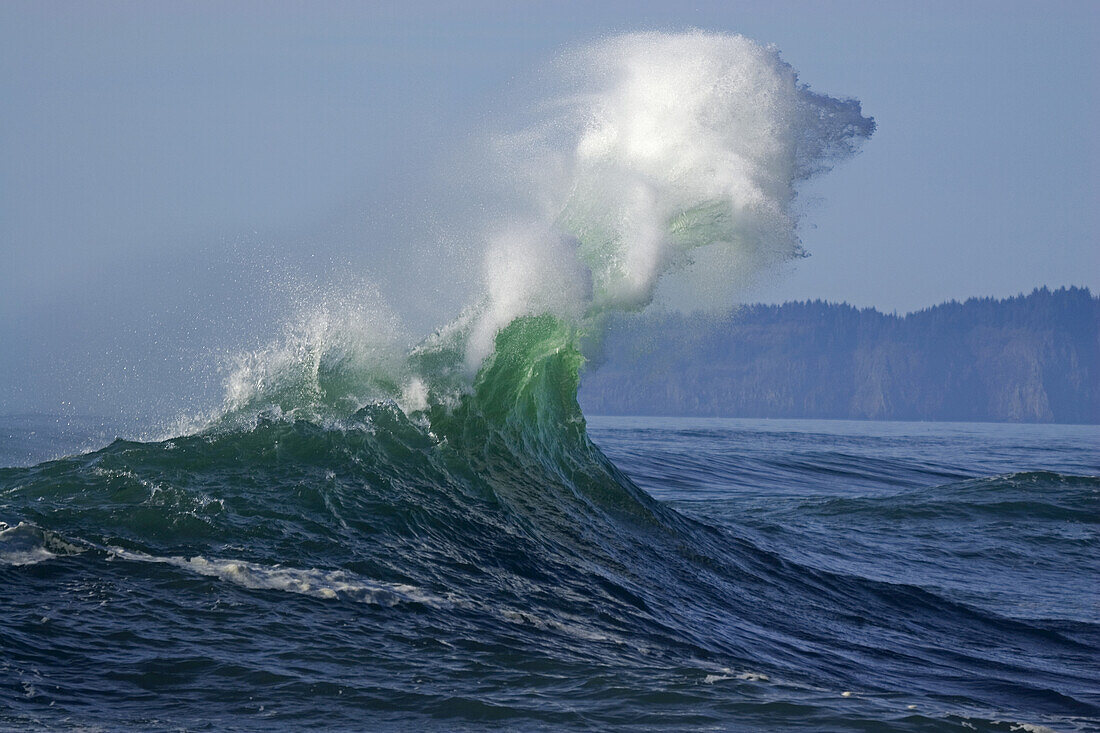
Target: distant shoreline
x,y
730,419
1030,358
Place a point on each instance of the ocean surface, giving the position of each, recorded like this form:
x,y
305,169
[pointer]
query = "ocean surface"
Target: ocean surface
x,y
671,574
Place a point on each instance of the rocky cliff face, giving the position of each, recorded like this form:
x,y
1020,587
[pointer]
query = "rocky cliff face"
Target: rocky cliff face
x,y
1033,358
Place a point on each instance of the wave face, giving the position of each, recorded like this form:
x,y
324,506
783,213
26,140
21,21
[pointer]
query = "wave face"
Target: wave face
x,y
489,567
371,536
477,573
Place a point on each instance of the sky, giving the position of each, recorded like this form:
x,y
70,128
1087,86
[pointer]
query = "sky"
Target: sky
x,y
174,175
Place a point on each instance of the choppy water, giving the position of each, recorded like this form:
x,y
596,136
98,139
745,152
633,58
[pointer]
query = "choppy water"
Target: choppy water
x,y
791,575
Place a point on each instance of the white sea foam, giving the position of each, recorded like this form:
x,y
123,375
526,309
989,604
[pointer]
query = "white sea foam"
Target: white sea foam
x,y
730,674
328,584
22,544
26,544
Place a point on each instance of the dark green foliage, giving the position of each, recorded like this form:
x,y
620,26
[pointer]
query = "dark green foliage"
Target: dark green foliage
x,y
1033,358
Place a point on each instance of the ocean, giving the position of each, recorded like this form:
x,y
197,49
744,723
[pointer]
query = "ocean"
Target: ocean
x,y
372,532
668,574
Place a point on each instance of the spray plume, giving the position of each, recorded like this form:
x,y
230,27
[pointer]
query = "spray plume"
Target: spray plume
x,y
661,156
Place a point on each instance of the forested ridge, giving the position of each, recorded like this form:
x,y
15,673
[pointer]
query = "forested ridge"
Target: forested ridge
x,y
1030,358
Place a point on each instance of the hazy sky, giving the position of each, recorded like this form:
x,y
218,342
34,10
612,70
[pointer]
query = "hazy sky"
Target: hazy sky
x,y
167,168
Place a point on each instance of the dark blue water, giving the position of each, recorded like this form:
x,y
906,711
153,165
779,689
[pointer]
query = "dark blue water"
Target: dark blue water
x,y
785,575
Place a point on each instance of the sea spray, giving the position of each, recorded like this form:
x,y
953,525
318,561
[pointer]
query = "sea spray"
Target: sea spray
x,y
654,156
663,149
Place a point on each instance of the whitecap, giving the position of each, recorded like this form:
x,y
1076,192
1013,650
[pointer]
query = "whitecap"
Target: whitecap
x,y
326,584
